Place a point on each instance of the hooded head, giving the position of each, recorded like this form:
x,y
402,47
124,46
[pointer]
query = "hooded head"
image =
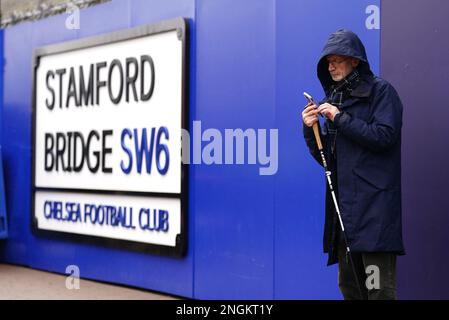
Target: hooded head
x,y
344,43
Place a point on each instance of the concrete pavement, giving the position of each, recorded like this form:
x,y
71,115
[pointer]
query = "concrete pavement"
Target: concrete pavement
x,y
25,283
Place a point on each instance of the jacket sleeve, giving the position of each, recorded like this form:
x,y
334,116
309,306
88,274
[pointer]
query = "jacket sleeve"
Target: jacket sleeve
x,y
309,137
383,130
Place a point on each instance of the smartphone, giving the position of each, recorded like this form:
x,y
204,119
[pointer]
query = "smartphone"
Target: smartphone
x,y
310,99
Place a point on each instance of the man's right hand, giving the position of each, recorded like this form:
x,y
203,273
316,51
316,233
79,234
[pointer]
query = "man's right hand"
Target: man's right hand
x,y
310,114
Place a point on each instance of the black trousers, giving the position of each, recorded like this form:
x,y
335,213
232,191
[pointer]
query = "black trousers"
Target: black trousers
x,y
376,272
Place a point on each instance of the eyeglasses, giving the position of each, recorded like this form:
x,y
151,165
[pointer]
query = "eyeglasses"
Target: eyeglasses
x,y
336,62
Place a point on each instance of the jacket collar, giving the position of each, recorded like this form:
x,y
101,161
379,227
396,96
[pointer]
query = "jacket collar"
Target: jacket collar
x,y
363,90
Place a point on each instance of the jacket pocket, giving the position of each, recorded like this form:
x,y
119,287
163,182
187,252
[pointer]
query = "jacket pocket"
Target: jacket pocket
x,y
369,203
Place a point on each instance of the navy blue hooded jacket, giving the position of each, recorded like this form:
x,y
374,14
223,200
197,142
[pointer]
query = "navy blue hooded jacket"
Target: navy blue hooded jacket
x,y
368,157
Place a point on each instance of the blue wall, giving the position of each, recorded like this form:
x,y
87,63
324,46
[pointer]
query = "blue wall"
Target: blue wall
x,y
234,206
302,27
3,215
1,79
250,236
142,270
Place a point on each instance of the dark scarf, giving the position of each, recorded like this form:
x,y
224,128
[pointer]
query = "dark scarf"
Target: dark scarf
x,y
337,95
339,92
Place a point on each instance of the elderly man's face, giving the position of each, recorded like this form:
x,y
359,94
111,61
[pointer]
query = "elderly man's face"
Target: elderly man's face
x,y
340,66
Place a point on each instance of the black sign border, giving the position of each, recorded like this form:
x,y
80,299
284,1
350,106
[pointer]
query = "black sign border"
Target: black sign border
x,y
181,26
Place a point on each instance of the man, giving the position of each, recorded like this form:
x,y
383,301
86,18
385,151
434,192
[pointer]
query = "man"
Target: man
x,y
362,144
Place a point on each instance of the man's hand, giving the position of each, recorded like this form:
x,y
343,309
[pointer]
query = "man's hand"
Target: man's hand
x,y
329,111
310,114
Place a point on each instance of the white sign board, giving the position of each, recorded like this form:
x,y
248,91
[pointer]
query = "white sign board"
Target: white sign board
x,y
108,114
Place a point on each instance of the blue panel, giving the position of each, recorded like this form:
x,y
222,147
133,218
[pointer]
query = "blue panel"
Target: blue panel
x,y
249,236
1,79
144,11
135,269
233,204
3,216
16,140
302,28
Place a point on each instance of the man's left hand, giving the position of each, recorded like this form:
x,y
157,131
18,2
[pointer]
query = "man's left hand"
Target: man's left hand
x,y
328,110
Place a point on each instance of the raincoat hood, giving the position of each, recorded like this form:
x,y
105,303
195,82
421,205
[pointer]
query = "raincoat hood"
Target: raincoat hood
x,y
346,43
